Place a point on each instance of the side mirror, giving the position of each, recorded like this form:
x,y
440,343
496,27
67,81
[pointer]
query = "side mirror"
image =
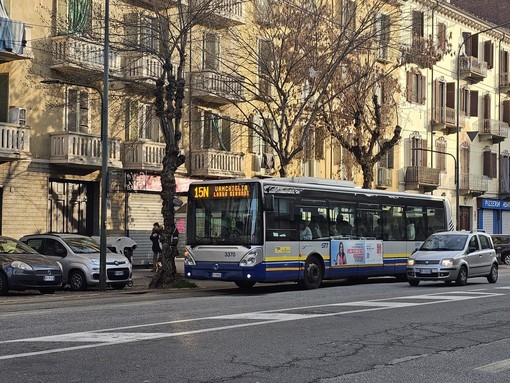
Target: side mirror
x,y
269,202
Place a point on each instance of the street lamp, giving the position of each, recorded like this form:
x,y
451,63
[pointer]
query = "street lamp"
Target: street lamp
x,y
104,173
457,170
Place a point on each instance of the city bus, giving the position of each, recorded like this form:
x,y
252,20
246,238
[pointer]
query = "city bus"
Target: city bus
x,y
305,230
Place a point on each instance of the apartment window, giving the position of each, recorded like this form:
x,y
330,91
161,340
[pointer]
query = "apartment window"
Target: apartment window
x,y
79,17
506,111
142,122
473,103
505,61
441,154
265,67
465,100
384,23
418,156
416,87
488,53
489,163
504,172
471,44
314,144
211,51
387,159
348,14
256,144
464,158
444,100
215,132
4,96
77,111
442,38
149,33
417,32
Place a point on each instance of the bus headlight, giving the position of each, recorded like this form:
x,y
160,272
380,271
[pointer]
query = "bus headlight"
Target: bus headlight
x,y
188,259
252,258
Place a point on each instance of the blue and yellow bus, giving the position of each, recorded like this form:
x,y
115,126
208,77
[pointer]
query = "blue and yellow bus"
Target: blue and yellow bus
x,y
304,230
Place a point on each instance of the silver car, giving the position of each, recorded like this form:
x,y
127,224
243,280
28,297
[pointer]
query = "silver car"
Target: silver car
x,y
453,256
79,256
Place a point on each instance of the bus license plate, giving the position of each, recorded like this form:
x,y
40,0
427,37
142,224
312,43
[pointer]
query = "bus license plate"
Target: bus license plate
x,y
216,275
49,278
117,273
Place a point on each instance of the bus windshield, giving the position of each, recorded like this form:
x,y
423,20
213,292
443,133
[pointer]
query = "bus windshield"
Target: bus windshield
x,y
225,214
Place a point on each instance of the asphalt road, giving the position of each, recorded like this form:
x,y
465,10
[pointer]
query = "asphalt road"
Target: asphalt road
x,y
379,331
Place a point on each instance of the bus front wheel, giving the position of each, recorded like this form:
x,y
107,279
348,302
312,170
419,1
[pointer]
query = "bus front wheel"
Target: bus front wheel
x,y
313,274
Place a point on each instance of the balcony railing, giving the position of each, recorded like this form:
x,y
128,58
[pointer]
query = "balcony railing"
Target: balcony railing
x,y
494,130
217,163
222,12
504,81
15,40
421,51
143,155
473,184
144,68
472,68
73,54
445,119
14,142
422,177
216,87
82,150
158,4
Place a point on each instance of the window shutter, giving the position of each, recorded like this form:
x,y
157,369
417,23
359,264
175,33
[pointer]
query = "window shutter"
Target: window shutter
x,y
4,97
486,163
418,23
450,95
474,45
206,137
409,89
494,164
423,88
487,106
437,101
72,112
226,134
441,37
211,51
506,111
423,153
473,110
391,158
467,43
488,53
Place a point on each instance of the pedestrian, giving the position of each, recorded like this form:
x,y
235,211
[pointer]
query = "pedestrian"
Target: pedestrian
x,y
156,246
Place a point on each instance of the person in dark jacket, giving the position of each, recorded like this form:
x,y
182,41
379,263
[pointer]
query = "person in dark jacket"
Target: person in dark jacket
x,y
156,245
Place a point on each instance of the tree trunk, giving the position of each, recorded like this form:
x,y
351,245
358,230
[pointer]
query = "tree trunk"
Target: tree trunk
x,y
368,175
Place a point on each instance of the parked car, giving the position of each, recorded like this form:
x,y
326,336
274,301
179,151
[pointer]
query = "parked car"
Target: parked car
x,y
79,256
502,247
453,256
22,268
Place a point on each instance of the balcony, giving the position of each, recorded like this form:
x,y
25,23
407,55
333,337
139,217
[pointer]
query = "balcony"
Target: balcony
x,y
15,41
421,51
82,150
473,184
494,130
504,82
141,68
222,13
151,4
216,163
422,177
444,119
384,178
14,142
471,68
218,88
75,55
143,155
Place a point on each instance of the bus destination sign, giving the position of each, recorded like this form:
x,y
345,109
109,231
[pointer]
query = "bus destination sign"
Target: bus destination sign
x,y
222,191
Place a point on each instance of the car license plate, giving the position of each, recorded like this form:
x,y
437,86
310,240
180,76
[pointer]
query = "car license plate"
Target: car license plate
x,y
216,275
49,278
425,271
117,273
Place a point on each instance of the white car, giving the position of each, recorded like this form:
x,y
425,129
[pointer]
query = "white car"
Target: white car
x,y
79,256
453,256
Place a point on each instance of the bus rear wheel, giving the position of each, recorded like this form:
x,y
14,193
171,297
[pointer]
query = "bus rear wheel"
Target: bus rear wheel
x,y
313,274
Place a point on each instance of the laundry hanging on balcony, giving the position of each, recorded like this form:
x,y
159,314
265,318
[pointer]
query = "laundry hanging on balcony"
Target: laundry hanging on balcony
x,y
79,13
216,129
12,33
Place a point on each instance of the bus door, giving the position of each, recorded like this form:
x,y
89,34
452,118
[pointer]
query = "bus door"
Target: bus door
x,y
368,231
345,252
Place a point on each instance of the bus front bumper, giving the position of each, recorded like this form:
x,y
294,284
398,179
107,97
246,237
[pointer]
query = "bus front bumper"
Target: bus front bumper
x,y
225,272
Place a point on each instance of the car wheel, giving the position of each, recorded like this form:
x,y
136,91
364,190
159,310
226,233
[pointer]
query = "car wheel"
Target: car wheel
x,y
118,286
77,281
401,277
4,285
313,274
493,275
462,277
47,291
505,259
413,282
244,285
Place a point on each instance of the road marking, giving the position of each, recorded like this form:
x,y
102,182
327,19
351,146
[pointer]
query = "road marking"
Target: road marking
x,y
495,367
113,336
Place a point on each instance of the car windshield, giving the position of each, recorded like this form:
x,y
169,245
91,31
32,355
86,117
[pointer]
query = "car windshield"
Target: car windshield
x,y
82,245
444,242
11,246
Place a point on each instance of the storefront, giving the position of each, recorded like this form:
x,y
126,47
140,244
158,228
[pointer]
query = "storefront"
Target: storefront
x,y
494,216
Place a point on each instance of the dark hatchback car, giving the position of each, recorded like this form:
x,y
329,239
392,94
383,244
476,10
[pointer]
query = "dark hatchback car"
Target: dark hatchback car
x,y
502,247
22,268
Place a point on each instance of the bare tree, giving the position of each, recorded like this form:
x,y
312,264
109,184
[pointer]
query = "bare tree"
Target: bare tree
x,y
288,62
